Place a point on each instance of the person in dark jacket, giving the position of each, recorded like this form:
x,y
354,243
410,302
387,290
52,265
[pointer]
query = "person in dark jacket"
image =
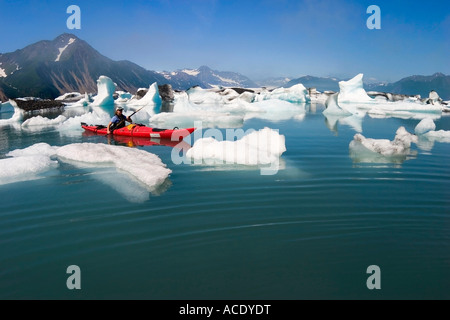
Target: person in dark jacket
x,y
118,121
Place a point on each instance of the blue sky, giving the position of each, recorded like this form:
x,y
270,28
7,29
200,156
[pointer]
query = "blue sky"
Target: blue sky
x,y
257,38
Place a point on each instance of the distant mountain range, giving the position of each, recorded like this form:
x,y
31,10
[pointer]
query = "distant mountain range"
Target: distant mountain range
x,y
48,69
207,78
410,86
417,85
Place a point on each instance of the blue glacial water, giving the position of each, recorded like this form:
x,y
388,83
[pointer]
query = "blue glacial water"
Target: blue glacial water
x,y
227,232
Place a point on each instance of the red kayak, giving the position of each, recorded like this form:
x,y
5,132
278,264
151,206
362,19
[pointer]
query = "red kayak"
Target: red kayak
x,y
138,130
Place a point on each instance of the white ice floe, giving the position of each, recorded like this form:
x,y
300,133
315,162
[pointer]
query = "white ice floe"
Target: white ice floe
x,y
106,88
295,94
42,149
40,121
145,167
259,147
400,145
274,110
209,119
427,127
26,164
24,168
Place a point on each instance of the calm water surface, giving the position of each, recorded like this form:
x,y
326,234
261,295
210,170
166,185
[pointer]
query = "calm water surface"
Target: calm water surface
x,y
227,232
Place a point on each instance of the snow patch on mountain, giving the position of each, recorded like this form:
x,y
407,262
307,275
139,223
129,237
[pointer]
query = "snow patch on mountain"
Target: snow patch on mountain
x,y
61,50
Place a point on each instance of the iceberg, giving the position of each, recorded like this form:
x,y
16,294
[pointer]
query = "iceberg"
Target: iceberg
x,y
333,108
399,146
151,101
353,99
295,94
16,117
259,147
427,127
106,88
205,97
352,91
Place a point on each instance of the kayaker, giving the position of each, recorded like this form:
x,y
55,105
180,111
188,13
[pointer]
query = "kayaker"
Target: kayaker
x,y
118,121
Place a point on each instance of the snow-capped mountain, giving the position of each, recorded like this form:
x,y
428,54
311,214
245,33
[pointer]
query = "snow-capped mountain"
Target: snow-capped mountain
x,y
205,77
47,69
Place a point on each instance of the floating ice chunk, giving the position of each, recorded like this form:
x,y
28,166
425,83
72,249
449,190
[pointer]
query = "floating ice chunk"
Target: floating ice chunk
x,y
424,126
333,107
182,103
273,110
36,149
24,168
209,119
296,94
259,147
246,96
16,117
439,136
27,163
72,126
151,101
106,88
427,128
353,91
198,95
40,121
145,167
400,145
